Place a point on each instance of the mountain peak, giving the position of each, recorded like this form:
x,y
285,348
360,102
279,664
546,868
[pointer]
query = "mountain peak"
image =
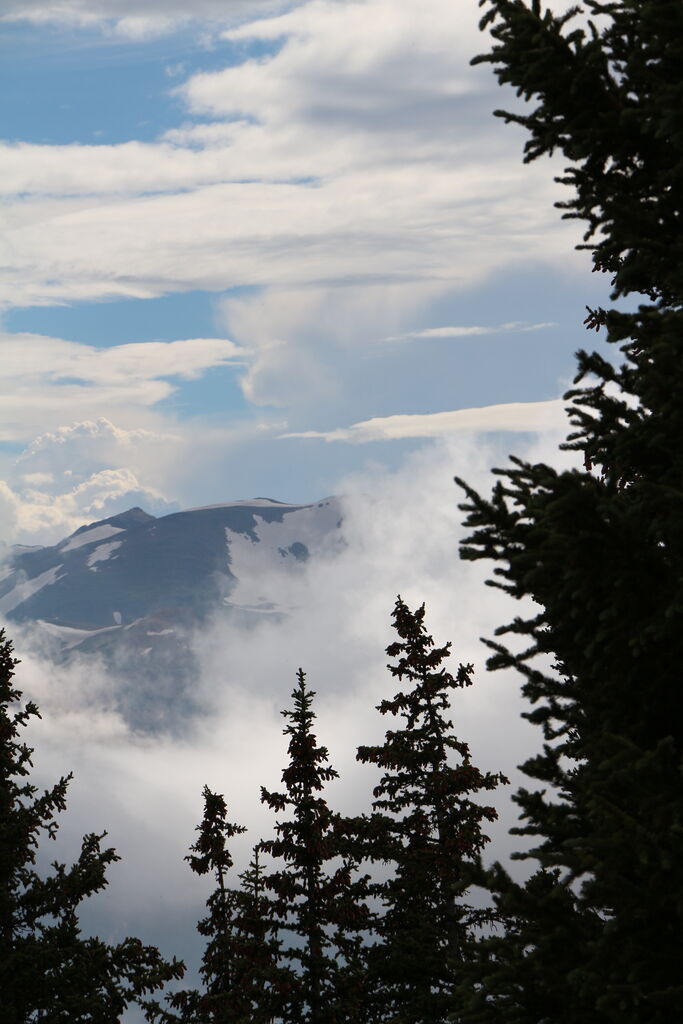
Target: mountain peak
x,y
122,520
135,516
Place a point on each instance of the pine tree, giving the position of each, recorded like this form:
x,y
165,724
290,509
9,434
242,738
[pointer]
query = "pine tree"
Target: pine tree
x,y
316,904
596,935
426,827
239,965
48,971
264,980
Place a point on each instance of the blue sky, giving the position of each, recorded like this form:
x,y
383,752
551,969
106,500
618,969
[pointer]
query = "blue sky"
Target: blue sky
x,y
313,202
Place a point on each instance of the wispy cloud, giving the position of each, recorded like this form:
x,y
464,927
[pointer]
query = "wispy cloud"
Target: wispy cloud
x,y
513,327
136,20
520,417
36,355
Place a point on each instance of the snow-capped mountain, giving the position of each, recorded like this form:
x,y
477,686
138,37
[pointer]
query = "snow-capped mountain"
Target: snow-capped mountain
x,y
133,587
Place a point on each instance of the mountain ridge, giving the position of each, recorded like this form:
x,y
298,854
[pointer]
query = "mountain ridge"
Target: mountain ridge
x,y
132,589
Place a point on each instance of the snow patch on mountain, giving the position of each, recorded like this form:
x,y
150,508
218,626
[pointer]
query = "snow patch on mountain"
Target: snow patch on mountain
x,y
27,588
246,503
102,553
91,536
69,636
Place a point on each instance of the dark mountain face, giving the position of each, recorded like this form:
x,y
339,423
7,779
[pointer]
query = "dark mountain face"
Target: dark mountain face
x,y
133,587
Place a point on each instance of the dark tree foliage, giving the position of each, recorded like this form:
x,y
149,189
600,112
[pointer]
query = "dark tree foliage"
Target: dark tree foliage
x,y
317,906
428,829
597,933
609,92
48,972
265,981
239,967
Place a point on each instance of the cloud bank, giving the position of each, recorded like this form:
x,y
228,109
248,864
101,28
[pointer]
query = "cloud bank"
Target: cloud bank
x,y
81,473
402,531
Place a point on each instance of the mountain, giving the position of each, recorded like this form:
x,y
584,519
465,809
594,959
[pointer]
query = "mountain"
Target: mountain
x,y
132,588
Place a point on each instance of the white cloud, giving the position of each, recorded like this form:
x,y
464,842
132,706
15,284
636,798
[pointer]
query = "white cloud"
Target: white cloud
x,y
524,417
9,508
299,337
36,479
50,405
30,355
79,443
142,27
48,379
137,20
513,327
84,472
347,62
351,229
364,146
47,516
130,167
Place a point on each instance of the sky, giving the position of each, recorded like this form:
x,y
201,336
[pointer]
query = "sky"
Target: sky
x,y
269,249
260,248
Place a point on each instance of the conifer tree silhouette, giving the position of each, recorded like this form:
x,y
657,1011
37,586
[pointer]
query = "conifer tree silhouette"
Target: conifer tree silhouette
x,y
427,828
263,978
242,981
596,934
316,900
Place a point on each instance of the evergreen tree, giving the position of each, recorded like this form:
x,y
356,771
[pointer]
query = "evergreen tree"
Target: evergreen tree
x,y
239,965
211,854
427,828
265,981
596,935
48,971
317,904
